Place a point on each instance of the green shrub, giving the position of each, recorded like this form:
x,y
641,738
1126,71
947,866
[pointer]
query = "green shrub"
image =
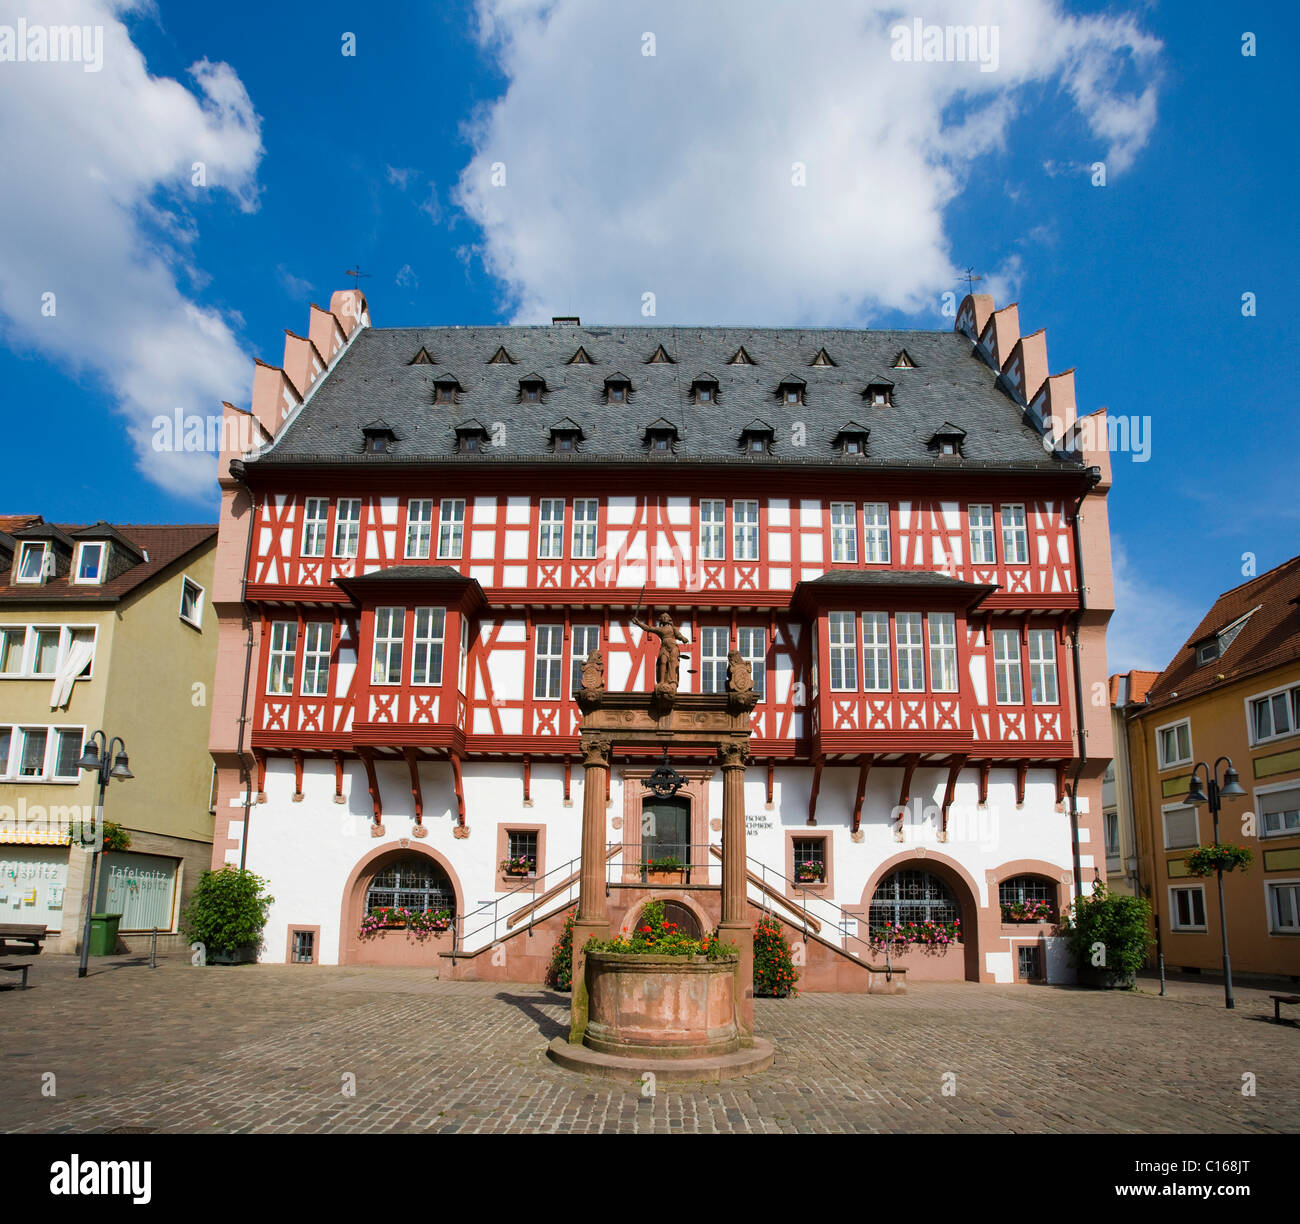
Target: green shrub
x,y
559,975
774,975
227,911
1109,932
116,837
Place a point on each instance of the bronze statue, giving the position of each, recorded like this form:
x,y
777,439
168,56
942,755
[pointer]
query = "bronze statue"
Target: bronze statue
x,y
668,664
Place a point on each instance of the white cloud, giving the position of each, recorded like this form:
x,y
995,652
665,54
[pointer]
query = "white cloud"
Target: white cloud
x,y
399,176
97,201
1150,624
295,286
406,277
626,173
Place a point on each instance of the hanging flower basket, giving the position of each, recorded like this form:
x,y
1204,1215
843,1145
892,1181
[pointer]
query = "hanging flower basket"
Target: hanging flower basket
x,y
1223,856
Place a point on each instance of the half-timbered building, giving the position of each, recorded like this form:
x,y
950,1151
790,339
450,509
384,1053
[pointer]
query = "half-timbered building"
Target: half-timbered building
x,y
902,533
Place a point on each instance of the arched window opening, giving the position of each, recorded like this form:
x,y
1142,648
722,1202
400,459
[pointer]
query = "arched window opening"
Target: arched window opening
x,y
411,882
912,896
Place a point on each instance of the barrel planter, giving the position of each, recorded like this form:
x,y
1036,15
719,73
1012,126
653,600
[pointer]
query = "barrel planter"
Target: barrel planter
x,y
649,1006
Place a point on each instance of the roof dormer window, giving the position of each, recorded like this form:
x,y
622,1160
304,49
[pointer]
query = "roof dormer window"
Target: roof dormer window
x,y
379,437
660,357
531,389
852,439
444,390
904,361
617,389
756,438
704,390
879,394
471,437
791,391
31,565
565,435
91,561
660,436
947,440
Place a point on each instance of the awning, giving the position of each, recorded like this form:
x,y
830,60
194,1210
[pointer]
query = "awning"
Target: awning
x,y
33,837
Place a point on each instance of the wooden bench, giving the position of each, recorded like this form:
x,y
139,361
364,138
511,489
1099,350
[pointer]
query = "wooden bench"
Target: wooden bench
x,y
23,932
1278,1000
18,969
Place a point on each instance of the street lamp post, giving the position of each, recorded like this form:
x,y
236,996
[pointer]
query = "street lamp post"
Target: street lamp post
x,y
93,761
1231,788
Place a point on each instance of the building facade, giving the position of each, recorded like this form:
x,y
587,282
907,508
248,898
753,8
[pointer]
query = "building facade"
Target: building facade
x,y
108,627
895,531
1232,690
1119,829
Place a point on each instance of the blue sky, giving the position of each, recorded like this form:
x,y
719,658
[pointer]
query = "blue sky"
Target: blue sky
x,y
670,173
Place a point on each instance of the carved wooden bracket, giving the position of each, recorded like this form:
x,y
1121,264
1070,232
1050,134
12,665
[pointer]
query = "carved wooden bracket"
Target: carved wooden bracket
x,y
956,763
460,791
864,769
1061,767
259,755
297,776
984,782
338,777
413,767
816,786
771,781
1022,772
528,780
376,800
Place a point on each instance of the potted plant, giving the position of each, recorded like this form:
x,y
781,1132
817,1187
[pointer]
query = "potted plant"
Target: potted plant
x,y
1028,911
809,873
774,971
429,921
667,870
1222,856
226,915
1108,938
559,976
519,865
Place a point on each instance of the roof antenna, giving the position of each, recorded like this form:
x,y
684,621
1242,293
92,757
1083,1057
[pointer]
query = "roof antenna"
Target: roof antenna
x,y
357,275
971,278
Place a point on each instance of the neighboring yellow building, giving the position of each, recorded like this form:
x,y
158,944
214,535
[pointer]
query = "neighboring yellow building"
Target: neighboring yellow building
x,y
1233,690
104,627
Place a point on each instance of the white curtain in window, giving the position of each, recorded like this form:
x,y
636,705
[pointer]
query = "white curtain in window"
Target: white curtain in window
x,y
79,654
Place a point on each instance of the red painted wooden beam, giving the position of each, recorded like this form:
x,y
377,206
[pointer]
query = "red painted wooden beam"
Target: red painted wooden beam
x,y
460,789
771,780
905,791
413,766
1061,767
568,778
955,765
297,776
1022,772
260,757
864,768
338,777
816,786
984,782
376,800
528,780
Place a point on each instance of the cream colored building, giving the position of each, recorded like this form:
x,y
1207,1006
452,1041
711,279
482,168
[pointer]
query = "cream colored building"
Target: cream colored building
x,y
1118,829
104,627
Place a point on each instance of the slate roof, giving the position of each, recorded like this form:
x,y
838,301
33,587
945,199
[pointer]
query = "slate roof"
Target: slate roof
x,y
1269,639
163,543
374,378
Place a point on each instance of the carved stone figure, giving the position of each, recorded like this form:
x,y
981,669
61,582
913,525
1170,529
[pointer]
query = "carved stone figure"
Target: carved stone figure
x,y
668,664
593,675
740,681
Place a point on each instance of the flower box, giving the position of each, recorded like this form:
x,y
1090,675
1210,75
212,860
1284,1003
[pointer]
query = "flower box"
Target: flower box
x,y
666,876
810,875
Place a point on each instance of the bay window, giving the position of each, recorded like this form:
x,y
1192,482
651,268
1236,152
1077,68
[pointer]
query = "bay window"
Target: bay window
x,y
943,652
843,651
390,632
1006,667
426,645
281,657
1042,667
911,652
316,637
875,652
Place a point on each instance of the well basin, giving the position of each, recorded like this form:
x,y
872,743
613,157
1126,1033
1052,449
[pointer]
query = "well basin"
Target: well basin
x,y
648,1006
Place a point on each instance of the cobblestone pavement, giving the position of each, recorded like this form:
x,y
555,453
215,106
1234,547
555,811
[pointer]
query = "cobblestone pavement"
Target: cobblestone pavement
x,y
267,1048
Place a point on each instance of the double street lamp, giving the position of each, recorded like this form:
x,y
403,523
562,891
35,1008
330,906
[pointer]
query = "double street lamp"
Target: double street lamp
x,y
1214,791
94,761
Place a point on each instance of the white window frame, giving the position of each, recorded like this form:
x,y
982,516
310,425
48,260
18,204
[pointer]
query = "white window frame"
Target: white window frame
x,y
1008,665
844,532
1272,788
586,528
53,759
910,650
548,662
715,641
316,660
943,652
1165,811
27,649
756,657
1107,815
1270,907
49,757
393,636
21,635
1042,669
23,731
24,546
583,639
875,537
7,757
983,535
351,538
462,664
713,531
1292,692
744,533
550,529
278,650
197,619
842,646
30,658
1161,762
419,528
1014,533
451,530
876,652
315,526
98,579
432,636
1174,924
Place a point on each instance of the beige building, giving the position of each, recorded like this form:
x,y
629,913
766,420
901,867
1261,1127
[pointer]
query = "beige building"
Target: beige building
x,y
1233,690
104,627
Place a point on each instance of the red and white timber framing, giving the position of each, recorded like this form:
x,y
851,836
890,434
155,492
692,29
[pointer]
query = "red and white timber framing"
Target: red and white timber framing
x,y
477,742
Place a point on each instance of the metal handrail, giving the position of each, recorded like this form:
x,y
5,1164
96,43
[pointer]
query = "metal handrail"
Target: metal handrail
x,y
459,923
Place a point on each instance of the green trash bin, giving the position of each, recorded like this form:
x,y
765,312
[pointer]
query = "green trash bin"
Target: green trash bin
x,y
103,934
